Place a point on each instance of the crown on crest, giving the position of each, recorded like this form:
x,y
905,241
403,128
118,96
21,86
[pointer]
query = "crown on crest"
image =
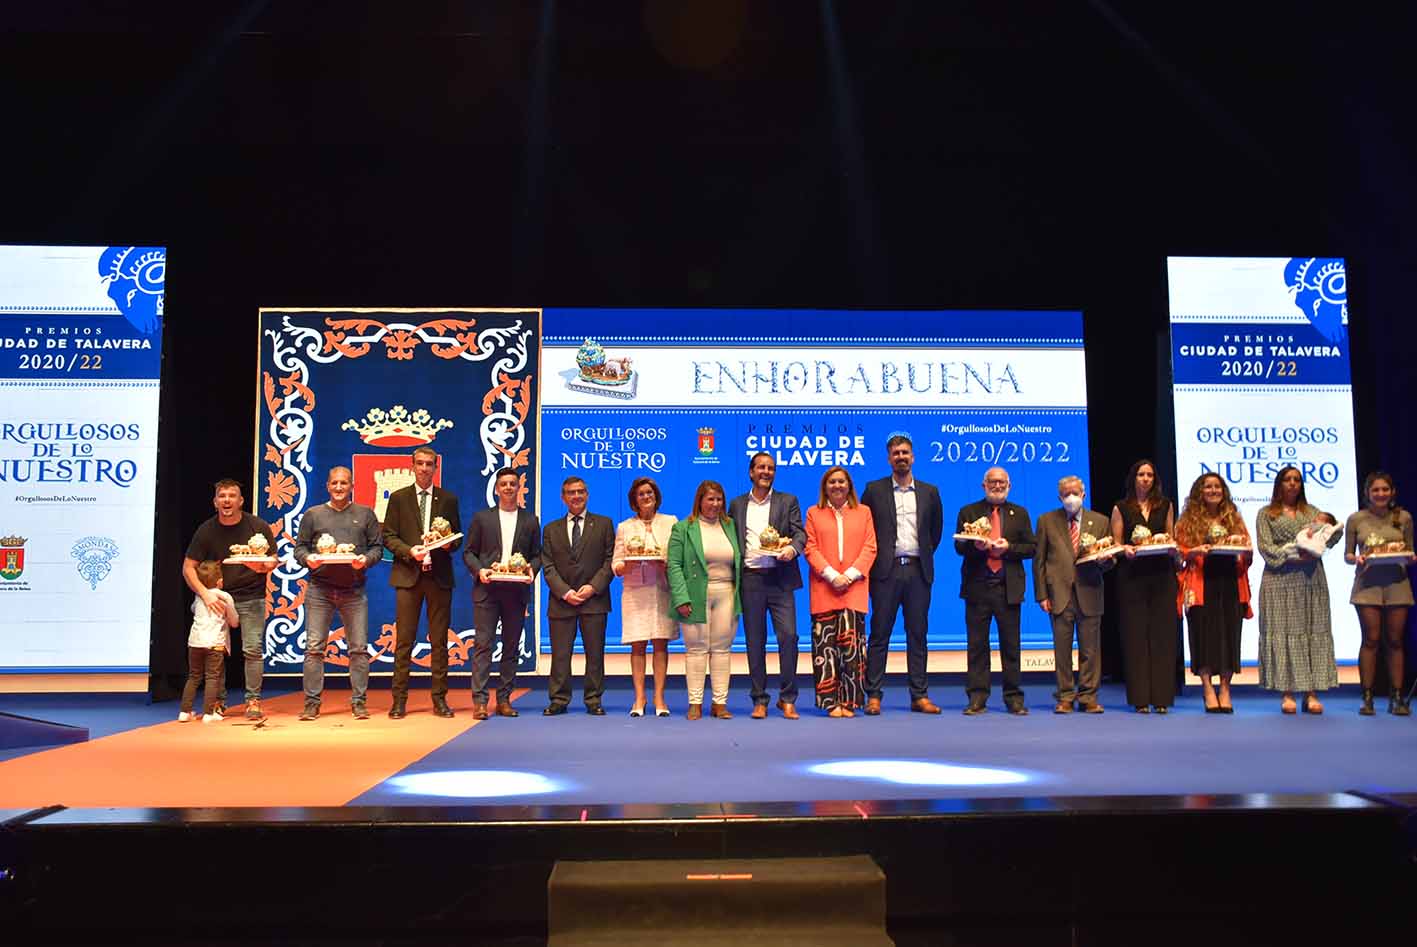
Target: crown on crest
x,y
396,427
11,541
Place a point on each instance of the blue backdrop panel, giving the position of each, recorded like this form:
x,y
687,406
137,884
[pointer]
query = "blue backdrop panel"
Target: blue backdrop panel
x,y
361,389
705,389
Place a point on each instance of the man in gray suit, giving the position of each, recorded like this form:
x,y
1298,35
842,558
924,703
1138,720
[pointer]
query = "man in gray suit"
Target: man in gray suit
x,y
1071,594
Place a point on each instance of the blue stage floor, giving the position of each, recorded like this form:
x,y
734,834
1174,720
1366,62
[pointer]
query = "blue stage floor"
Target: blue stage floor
x,y
576,759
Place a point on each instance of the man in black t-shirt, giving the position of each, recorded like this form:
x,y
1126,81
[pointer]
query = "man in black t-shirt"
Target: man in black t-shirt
x,y
246,584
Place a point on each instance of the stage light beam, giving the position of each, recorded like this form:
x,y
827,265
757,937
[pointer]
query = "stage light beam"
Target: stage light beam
x,y
919,773
476,783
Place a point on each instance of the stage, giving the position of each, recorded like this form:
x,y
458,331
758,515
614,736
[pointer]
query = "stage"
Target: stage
x,y
989,823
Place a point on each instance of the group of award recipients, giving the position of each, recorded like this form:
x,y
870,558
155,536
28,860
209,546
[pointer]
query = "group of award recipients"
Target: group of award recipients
x,y
874,554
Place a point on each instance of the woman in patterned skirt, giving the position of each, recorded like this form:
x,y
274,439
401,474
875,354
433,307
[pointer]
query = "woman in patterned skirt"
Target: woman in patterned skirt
x,y
841,546
1296,633
1382,592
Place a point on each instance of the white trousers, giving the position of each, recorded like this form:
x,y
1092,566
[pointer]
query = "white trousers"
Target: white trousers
x,y
706,646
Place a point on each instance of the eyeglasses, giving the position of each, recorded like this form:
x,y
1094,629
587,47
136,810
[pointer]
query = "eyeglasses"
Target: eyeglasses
x,y
996,483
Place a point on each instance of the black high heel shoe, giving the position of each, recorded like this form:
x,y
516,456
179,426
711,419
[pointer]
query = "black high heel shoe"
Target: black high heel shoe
x,y
1366,709
1396,705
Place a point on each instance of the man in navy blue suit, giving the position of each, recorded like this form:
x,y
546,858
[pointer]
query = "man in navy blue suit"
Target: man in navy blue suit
x,y
909,521
770,582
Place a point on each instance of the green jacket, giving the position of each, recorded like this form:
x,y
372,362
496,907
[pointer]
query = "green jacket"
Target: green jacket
x,y
688,573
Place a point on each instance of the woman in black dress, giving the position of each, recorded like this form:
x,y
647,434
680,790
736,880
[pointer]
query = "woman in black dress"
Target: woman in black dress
x,y
1146,592
1216,593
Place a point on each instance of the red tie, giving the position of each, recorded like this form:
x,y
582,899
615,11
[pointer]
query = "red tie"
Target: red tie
x,y
996,531
1073,531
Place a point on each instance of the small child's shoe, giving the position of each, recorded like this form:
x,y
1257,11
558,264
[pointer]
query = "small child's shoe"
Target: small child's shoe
x,y
212,717
184,716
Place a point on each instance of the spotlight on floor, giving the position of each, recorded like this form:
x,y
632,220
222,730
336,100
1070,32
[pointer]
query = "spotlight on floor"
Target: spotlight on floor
x,y
475,783
919,773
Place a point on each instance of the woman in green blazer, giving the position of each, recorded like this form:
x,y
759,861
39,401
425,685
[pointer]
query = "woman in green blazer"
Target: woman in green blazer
x,y
705,567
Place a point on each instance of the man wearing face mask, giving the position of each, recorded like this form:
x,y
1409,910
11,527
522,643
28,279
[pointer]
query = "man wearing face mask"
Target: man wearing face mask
x,y
1071,594
992,585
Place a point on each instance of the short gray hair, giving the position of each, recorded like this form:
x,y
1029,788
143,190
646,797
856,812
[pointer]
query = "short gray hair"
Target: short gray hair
x,y
1071,478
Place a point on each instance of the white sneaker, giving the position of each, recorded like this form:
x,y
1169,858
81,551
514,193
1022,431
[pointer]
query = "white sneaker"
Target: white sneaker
x,y
212,718
183,717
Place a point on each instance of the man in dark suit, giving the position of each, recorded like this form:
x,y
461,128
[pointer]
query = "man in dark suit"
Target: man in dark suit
x,y
494,536
770,583
575,556
420,575
909,520
1071,594
992,586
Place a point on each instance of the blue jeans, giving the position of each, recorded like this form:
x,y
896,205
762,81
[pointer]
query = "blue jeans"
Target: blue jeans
x,y
321,602
252,613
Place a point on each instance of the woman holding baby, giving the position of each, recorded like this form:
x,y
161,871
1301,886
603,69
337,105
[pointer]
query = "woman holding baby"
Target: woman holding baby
x,y
1296,636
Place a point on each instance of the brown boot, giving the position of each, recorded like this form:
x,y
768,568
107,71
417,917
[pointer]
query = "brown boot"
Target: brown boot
x,y
720,711
696,712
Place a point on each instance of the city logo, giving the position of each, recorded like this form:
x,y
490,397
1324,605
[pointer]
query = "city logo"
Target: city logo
x,y
376,476
1319,286
598,374
134,278
396,427
95,555
706,445
12,557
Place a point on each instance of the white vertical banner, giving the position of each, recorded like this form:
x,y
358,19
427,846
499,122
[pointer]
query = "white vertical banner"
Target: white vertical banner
x,y
1259,357
80,358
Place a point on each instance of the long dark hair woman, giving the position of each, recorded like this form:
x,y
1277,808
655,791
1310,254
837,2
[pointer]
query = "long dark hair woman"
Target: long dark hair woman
x,y
1378,534
1296,622
1146,591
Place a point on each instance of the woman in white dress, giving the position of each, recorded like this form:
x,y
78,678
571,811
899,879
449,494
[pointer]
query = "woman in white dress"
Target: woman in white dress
x,y
644,595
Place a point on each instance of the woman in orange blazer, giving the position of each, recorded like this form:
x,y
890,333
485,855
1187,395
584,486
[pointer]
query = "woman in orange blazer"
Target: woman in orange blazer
x,y
841,546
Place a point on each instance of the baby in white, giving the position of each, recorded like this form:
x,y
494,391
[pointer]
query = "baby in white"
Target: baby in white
x,y
1313,539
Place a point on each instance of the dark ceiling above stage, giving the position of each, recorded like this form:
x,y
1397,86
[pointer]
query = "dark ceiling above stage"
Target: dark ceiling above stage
x,y
713,152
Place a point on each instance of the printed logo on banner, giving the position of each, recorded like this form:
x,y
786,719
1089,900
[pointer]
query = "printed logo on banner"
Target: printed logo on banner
x,y
12,557
598,374
95,555
376,476
706,447
135,278
460,381
1320,289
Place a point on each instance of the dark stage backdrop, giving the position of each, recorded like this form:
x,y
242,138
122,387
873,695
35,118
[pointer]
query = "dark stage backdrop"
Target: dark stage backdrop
x,y
685,153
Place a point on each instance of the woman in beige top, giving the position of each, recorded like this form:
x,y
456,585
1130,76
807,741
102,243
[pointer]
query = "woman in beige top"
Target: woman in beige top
x,y
705,566
1382,592
641,543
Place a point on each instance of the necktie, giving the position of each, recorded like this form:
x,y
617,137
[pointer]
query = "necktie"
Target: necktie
x,y
1073,531
576,531
996,531
423,525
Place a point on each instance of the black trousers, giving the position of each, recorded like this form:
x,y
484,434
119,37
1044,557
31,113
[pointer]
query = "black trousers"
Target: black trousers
x,y
985,602
505,603
762,594
408,605
905,589
563,642
1151,633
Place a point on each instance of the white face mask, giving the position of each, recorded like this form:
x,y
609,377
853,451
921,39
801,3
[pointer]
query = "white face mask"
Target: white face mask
x,y
1072,503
